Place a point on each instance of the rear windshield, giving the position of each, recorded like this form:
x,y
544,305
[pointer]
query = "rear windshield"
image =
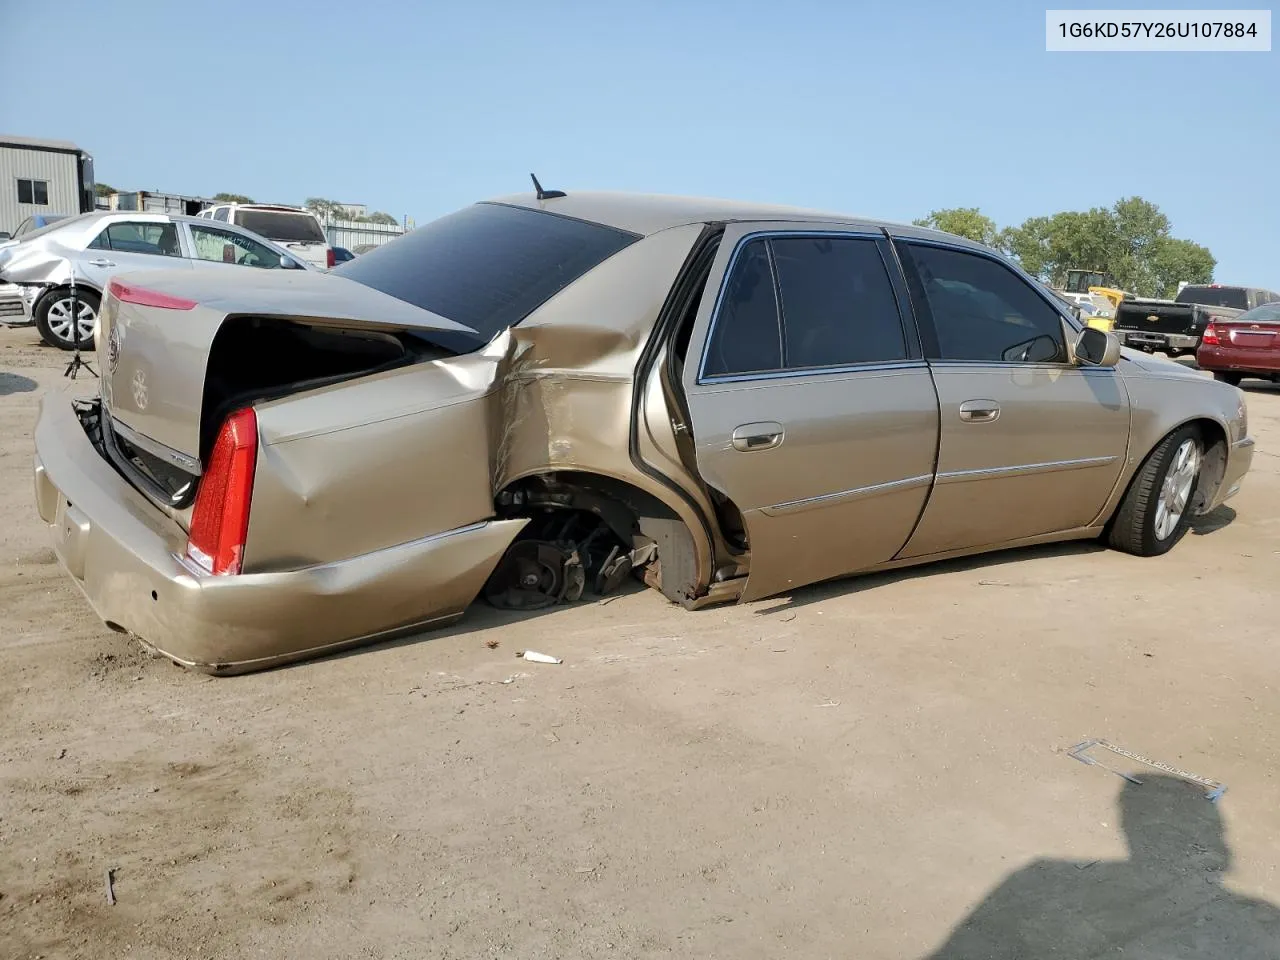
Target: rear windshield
x,y
487,266
1236,297
1269,312
277,225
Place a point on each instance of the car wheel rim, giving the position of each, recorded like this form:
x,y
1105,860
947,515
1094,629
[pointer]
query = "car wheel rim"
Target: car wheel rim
x,y
1175,492
60,323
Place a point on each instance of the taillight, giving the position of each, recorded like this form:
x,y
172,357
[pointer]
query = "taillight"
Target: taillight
x,y
1210,336
220,518
330,258
127,293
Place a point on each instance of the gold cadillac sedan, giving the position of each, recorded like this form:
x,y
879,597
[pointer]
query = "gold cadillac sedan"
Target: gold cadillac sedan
x,y
541,396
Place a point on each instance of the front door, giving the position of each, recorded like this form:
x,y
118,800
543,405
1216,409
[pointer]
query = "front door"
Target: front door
x,y
148,243
212,244
1030,443
812,408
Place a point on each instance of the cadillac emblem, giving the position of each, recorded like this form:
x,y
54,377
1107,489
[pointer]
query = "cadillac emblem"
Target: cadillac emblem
x,y
113,350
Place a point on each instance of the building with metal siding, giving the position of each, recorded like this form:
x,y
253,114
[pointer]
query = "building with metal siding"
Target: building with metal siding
x,y
42,176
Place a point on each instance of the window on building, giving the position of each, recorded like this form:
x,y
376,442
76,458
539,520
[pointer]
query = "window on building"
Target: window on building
x,y
33,191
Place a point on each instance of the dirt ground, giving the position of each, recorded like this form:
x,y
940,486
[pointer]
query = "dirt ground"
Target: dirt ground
x,y
849,772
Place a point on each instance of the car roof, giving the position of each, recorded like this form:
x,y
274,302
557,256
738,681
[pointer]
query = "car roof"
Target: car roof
x,y
646,213
276,207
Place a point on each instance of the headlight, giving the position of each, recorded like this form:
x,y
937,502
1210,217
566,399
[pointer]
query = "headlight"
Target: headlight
x,y
1240,423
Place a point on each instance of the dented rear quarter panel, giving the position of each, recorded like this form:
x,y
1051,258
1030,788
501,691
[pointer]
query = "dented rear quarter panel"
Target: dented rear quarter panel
x,y
412,452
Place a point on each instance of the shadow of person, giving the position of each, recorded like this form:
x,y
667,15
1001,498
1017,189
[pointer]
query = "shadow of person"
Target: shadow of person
x,y
1165,902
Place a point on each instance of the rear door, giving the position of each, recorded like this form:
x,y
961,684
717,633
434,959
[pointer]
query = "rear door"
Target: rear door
x,y
1030,444
145,243
812,409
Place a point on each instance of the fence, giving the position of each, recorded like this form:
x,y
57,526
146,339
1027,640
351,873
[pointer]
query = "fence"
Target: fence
x,y
354,234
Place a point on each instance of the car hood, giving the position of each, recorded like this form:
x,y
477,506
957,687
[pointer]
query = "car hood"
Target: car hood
x,y
1152,366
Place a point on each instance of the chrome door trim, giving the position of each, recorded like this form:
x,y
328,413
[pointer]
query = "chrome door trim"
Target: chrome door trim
x,y
844,496
875,367
1024,469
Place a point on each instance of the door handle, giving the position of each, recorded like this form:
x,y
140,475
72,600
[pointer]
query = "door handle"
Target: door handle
x,y
757,436
979,411
101,263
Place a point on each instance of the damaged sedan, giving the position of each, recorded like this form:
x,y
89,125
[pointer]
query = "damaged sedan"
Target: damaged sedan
x,y
538,398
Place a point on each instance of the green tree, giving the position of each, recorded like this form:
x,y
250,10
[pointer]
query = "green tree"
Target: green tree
x,y
232,198
103,190
968,222
327,209
379,216
1173,261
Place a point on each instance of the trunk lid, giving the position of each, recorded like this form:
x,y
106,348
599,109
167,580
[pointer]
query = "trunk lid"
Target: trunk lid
x,y
1249,335
267,333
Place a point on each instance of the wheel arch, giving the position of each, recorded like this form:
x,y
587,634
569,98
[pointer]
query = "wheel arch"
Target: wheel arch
x,y
685,560
1215,435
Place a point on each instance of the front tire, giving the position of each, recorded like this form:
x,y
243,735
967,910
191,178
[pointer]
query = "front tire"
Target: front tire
x,y
53,318
1223,376
1156,509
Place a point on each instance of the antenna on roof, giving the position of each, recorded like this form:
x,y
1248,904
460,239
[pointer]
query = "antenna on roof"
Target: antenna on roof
x,y
545,194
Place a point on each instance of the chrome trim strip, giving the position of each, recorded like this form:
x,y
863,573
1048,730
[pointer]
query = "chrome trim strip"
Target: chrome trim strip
x,y
817,371
1023,469
844,496
180,460
1244,442
746,238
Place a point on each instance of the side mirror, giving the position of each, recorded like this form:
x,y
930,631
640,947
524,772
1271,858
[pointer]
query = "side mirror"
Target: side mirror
x,y
288,264
1096,348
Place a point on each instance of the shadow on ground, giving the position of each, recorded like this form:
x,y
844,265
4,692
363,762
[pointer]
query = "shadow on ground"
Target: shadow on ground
x,y
1166,900
870,581
15,383
1212,522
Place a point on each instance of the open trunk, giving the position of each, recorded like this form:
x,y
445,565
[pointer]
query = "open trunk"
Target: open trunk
x,y
178,356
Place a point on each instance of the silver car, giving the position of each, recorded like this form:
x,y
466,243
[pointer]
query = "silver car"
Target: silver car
x,y
91,248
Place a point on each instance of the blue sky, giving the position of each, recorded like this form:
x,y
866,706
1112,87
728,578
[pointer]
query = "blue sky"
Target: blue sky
x,y
882,109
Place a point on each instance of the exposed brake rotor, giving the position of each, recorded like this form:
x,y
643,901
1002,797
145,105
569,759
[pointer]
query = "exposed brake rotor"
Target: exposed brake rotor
x,y
535,574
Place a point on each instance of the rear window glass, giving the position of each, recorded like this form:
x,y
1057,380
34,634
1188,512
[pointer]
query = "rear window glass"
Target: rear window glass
x,y
1269,312
487,266
1215,296
277,225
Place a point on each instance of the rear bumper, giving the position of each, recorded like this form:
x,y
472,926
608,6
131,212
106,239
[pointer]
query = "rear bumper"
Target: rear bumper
x,y
1158,341
124,554
1236,359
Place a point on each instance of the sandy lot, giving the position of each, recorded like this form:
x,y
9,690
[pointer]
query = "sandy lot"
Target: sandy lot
x,y
849,772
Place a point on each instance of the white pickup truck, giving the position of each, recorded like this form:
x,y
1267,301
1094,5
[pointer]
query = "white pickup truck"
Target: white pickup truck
x,y
296,229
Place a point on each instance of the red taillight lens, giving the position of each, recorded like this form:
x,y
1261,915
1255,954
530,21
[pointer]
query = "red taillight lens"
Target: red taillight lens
x,y
220,518
330,258
127,293
1210,336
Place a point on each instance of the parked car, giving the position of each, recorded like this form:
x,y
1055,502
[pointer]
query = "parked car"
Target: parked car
x,y
535,397
98,245
11,308
1175,326
1246,346
295,228
342,255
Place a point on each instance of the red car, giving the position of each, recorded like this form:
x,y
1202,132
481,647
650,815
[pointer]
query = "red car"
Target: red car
x,y
1245,346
